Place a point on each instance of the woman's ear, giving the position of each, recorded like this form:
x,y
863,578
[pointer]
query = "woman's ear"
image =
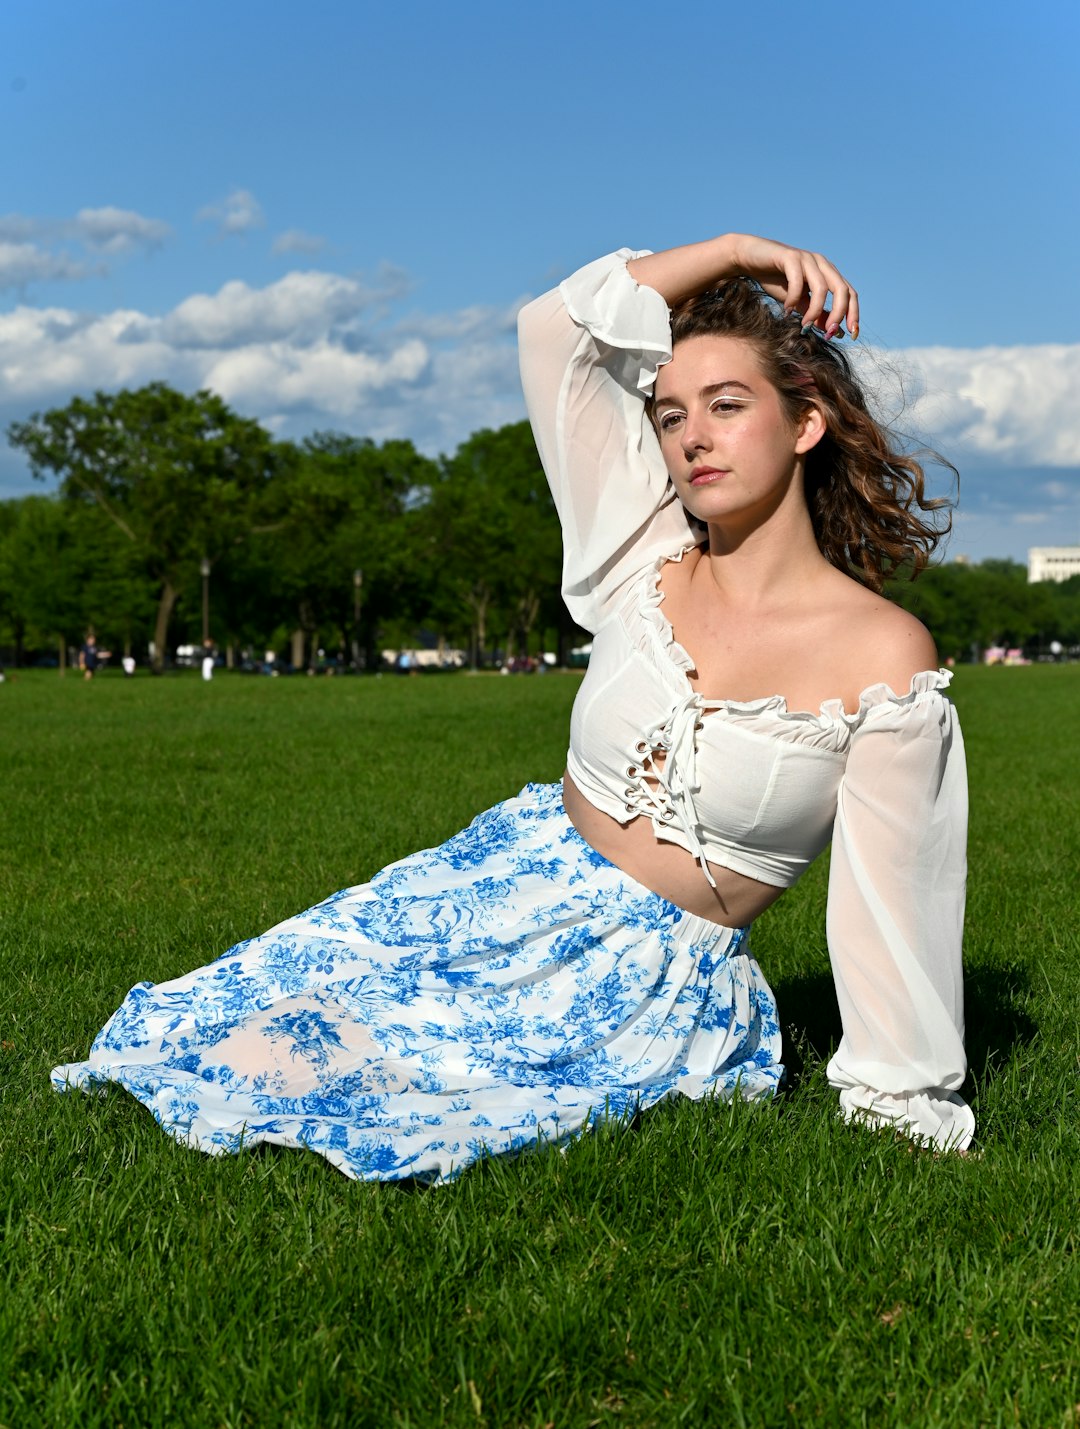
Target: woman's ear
x,y
810,430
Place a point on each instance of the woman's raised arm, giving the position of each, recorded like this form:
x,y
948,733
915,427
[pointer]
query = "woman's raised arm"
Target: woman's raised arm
x,y
801,280
589,353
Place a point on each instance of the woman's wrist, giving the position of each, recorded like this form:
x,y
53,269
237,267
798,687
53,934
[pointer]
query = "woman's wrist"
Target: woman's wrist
x,y
680,273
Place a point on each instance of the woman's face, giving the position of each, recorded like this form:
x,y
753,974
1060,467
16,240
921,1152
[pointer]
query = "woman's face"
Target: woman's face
x,y
730,447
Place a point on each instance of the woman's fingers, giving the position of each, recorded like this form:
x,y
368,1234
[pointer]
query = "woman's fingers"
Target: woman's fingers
x,y
844,307
814,312
797,293
805,282
853,313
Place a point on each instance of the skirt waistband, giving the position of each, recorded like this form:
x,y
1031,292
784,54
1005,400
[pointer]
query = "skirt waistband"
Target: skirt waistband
x,y
686,927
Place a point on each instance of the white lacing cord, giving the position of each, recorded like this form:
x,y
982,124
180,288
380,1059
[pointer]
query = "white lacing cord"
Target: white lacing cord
x,y
668,790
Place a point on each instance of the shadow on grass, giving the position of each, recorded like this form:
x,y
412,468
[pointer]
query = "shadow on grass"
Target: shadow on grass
x,y
997,1023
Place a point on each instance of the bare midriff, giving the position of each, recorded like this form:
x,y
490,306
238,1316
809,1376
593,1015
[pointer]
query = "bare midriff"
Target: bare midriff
x,y
667,869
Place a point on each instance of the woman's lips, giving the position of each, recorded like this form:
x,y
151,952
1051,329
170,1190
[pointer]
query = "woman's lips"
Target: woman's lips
x,y
702,475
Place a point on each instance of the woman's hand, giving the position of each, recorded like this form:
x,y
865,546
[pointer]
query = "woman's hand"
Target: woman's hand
x,y
803,281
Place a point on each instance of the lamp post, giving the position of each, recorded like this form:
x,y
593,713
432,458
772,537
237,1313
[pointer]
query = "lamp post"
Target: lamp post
x,y
358,585
204,571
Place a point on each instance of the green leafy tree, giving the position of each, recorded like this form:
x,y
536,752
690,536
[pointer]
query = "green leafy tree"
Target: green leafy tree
x,y
494,535
181,478
42,572
344,550
64,568
968,607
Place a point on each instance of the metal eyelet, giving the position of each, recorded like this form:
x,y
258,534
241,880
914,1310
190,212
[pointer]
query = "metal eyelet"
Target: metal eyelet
x,y
641,747
629,808
667,816
631,772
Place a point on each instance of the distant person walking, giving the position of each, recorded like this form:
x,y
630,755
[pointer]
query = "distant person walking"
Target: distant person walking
x,y
90,656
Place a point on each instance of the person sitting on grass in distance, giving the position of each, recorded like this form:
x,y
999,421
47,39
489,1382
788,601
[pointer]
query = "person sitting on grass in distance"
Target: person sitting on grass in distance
x,y
730,508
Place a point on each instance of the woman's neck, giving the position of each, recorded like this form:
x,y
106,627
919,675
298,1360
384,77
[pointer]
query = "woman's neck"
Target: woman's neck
x,y
767,564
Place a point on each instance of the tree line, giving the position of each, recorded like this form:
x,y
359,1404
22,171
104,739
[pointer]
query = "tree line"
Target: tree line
x,y
335,542
173,514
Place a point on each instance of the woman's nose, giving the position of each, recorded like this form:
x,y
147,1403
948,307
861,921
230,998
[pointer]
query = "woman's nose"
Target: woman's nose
x,y
695,436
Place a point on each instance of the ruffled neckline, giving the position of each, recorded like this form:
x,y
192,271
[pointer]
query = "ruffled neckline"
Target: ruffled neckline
x,y
832,712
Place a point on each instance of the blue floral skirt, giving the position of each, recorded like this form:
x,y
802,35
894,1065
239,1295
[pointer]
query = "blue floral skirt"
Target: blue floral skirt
x,y
508,988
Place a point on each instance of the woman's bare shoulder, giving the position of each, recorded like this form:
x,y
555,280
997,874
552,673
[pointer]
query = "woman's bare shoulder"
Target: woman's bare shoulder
x,y
887,644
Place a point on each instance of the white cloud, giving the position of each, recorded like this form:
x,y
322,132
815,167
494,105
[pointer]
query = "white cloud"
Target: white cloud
x,y
299,307
49,354
37,249
18,228
118,230
317,346
237,214
295,347
295,240
466,322
323,378
1008,405
22,263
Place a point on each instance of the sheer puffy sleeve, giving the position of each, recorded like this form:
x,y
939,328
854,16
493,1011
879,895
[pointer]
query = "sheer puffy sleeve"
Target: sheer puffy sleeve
x,y
589,356
895,918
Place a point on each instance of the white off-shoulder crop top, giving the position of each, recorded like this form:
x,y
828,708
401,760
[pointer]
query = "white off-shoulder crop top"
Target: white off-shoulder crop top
x,y
751,786
745,784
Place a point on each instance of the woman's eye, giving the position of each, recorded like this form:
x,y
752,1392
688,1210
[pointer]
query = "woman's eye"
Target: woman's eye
x,y
726,405
670,420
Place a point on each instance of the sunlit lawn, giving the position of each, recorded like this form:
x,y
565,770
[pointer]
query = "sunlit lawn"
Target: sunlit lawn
x,y
710,1265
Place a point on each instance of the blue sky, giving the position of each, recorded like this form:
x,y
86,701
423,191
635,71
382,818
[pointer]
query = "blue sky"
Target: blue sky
x,y
330,212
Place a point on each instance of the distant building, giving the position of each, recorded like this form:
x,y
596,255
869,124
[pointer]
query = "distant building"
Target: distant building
x,y
1053,563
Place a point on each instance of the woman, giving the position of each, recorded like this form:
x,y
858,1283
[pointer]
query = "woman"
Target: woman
x,y
582,950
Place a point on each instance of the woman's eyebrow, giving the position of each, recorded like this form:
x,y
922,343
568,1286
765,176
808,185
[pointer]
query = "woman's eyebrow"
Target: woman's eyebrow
x,y
709,391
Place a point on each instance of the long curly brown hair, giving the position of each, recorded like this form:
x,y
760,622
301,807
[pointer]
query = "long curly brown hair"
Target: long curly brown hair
x,y
867,501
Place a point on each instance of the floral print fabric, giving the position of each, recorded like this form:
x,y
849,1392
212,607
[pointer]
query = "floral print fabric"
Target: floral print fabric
x,y
509,987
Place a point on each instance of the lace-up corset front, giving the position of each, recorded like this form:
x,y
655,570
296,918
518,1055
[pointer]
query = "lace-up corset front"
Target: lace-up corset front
x,y
744,785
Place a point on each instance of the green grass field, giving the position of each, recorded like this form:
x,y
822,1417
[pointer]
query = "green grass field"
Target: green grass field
x,y
712,1265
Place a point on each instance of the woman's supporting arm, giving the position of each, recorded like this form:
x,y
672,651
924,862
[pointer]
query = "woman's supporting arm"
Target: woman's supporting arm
x,y
895,921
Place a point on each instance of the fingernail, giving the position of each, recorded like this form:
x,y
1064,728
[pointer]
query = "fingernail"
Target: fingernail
x,y
832,330
854,331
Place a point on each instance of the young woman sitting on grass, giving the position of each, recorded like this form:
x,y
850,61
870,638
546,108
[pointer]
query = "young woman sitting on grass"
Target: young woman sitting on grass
x,y
580,951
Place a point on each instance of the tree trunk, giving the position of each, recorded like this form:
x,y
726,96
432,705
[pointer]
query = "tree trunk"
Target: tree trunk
x,y
528,610
62,667
298,649
479,604
161,625
230,656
